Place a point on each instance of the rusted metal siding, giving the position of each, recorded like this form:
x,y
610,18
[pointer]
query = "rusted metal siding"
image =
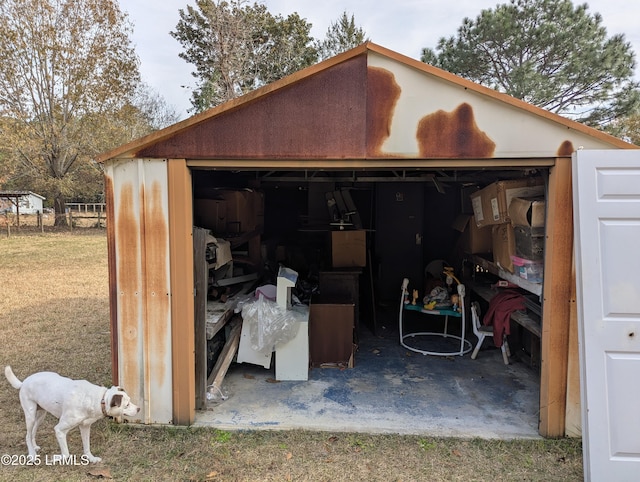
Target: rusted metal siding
x,y
369,102
139,236
382,96
373,106
320,116
434,118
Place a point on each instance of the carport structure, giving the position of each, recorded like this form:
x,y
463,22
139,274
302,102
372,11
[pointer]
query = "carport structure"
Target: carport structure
x,y
369,118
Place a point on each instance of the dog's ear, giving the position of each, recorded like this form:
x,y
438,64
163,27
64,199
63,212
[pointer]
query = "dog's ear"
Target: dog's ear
x,y
116,401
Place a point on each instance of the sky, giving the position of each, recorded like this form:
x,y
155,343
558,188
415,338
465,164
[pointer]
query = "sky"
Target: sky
x,y
405,26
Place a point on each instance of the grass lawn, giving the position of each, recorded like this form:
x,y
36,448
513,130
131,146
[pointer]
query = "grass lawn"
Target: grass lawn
x,y
54,315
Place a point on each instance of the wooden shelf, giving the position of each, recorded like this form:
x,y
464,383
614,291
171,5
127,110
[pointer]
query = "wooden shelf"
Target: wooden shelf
x,y
520,317
491,267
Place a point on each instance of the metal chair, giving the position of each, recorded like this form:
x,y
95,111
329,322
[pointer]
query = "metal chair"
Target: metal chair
x,y
483,331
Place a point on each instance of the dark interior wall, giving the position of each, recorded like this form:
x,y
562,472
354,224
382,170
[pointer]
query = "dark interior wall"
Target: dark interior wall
x,y
284,212
297,221
440,211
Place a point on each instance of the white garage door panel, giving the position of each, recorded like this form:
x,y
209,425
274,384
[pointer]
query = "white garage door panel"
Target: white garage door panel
x,y
618,184
624,416
620,269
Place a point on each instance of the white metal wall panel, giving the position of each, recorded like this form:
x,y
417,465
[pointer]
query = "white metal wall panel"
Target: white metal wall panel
x,y
516,132
141,232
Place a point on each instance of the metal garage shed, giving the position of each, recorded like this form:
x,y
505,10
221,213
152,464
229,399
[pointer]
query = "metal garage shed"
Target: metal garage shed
x,y
369,116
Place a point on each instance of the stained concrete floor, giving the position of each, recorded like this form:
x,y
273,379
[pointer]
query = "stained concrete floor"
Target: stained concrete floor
x,y
389,390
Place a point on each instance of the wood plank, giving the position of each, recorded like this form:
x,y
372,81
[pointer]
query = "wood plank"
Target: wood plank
x,y
200,273
574,412
220,312
226,356
222,319
182,300
527,322
237,279
557,300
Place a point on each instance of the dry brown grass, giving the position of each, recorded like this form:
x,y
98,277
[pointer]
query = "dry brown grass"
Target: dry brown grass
x,y
54,316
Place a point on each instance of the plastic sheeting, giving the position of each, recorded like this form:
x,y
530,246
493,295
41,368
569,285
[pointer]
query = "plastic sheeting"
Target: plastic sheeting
x,y
269,325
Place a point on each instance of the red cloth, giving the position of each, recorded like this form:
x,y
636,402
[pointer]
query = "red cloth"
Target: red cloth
x,y
499,313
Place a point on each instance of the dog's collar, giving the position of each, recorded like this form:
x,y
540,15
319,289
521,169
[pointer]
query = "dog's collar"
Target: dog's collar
x,y
103,404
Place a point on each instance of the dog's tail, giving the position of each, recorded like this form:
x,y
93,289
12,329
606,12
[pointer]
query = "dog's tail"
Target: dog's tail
x,y
13,380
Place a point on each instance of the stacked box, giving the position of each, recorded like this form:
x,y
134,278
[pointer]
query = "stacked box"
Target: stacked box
x,y
211,214
503,246
491,204
349,248
245,210
473,240
230,211
528,217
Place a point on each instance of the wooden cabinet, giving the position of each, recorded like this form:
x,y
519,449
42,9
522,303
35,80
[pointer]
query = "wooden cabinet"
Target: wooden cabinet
x,y
345,284
331,322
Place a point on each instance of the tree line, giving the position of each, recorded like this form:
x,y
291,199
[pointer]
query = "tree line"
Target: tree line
x,y
70,85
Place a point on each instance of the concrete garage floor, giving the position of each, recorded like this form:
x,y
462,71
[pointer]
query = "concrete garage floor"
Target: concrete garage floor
x,y
389,390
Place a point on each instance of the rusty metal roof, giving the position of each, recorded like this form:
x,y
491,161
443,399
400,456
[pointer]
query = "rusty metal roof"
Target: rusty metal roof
x,y
369,103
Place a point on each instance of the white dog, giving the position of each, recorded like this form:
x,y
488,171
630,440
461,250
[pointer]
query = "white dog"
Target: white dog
x,y
74,402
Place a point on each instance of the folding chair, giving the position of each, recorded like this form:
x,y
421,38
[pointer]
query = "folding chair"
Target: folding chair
x,y
483,331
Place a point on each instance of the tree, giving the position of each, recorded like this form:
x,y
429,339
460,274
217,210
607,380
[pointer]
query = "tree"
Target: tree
x,y
548,53
236,48
64,63
341,36
627,128
153,112
146,111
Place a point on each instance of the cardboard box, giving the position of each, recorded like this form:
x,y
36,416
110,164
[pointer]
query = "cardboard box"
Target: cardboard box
x,y
474,239
504,245
528,212
348,248
245,210
210,214
491,204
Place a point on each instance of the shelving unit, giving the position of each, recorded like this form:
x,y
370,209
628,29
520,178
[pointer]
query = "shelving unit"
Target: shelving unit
x,y
520,317
491,267
527,319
